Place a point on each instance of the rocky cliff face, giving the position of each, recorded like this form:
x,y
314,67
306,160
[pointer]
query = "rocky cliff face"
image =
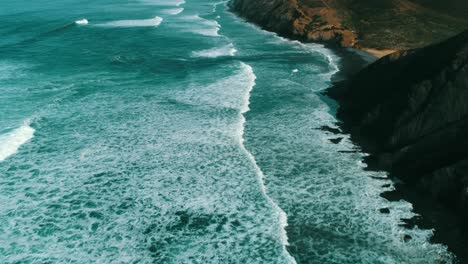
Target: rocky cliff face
x,y
383,24
409,110
314,21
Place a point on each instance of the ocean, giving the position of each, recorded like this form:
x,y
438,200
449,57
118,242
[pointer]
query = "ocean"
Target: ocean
x,y
164,131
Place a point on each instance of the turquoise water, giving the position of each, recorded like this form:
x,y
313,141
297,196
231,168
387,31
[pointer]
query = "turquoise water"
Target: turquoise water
x,y
160,131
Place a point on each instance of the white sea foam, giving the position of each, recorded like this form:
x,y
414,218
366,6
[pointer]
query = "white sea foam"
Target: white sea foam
x,y
173,11
207,32
224,93
164,2
282,217
227,50
202,26
313,47
152,22
12,141
215,5
332,60
82,22
327,53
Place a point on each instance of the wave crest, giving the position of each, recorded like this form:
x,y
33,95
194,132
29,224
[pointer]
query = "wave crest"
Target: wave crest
x,y
11,142
82,22
227,50
152,22
174,11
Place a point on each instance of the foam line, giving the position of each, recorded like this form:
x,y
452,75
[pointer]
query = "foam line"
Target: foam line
x,y
165,2
282,217
203,26
152,22
11,142
173,11
227,50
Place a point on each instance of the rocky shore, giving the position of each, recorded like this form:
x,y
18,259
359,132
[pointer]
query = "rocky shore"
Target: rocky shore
x,y
409,110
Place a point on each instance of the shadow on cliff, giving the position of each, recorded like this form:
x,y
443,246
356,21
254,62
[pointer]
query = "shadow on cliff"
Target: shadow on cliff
x,y
409,111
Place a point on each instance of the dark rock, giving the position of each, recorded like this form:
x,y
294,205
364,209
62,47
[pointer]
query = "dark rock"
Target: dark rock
x,y
348,151
409,110
379,178
330,129
413,222
336,140
407,238
392,196
384,210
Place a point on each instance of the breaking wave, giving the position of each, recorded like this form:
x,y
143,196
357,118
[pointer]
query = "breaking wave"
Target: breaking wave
x,y
152,22
12,141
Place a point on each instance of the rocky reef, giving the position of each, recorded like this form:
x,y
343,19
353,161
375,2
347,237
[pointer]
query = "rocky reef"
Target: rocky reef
x,y
409,111
363,24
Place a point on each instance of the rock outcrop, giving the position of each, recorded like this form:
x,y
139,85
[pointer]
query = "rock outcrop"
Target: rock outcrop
x,y
314,21
409,110
365,24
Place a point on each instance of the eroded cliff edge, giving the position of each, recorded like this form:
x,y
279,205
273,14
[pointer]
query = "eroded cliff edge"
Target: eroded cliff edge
x,y
363,24
409,110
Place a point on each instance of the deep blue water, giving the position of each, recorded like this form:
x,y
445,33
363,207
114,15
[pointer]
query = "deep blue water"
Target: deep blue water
x,y
159,131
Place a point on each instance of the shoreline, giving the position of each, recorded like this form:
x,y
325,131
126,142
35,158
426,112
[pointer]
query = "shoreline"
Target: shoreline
x,y
430,215
352,60
445,225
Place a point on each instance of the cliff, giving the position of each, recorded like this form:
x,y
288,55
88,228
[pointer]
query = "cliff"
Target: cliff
x,y
409,110
364,24
314,21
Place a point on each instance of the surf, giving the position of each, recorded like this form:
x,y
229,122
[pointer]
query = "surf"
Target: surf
x,y
12,141
164,2
202,26
280,214
174,11
83,21
223,51
152,22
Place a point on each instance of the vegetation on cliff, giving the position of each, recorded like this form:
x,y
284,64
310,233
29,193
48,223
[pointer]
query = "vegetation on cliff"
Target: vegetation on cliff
x,y
365,24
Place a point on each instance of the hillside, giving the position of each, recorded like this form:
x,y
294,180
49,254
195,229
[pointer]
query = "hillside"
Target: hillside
x,y
365,24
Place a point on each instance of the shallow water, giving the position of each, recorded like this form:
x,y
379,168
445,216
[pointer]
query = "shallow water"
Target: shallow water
x,y
170,132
